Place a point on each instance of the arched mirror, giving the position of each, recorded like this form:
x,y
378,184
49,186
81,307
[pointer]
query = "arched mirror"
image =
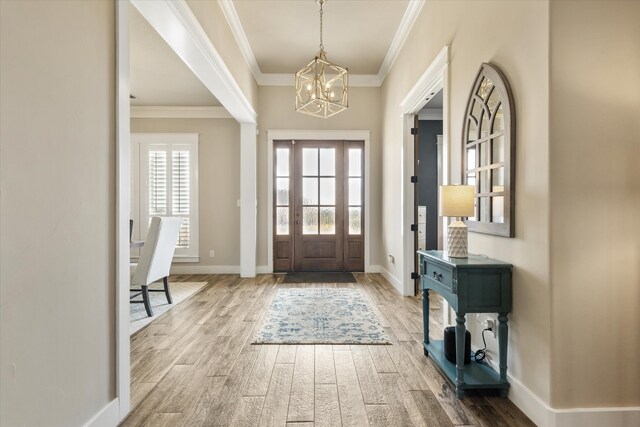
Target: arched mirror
x,y
489,152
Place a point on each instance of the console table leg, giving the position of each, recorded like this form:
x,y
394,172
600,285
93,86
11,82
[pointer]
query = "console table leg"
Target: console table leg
x,y
503,334
425,317
460,344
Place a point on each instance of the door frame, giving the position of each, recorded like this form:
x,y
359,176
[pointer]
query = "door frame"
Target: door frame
x,y
434,79
320,135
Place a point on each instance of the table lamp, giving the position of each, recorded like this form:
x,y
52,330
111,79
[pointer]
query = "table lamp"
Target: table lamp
x,y
457,201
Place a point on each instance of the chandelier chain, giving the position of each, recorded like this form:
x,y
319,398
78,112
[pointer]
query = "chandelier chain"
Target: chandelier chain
x,y
321,12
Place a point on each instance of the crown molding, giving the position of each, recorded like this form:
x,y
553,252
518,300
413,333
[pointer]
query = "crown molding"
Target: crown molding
x,y
409,18
178,112
355,80
230,13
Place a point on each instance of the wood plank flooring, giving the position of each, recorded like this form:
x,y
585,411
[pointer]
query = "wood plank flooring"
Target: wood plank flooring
x,y
195,366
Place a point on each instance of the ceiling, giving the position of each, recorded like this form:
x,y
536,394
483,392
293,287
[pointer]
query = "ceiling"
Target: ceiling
x,y
277,37
434,103
284,34
158,76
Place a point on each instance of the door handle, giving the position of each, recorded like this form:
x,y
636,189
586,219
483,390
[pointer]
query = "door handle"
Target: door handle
x,y
298,222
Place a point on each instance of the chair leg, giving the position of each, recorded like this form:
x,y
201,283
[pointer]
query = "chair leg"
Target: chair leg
x,y
145,299
166,289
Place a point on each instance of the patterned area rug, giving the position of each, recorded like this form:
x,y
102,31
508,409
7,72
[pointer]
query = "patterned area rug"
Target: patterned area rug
x,y
180,291
320,316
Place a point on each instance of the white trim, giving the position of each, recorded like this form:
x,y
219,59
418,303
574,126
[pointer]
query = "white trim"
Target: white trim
x,y
355,80
430,114
429,82
248,199
107,416
373,268
178,112
230,13
123,212
432,80
395,282
178,26
410,16
351,135
213,269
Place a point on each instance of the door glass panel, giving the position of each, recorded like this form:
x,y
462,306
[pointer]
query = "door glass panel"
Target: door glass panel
x,y
310,220
309,161
327,220
282,185
282,220
355,162
282,162
355,220
309,191
327,191
355,196
328,161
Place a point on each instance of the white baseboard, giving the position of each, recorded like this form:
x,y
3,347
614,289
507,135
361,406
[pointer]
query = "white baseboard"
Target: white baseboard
x,y
372,269
263,269
545,416
597,417
213,269
205,269
109,416
395,282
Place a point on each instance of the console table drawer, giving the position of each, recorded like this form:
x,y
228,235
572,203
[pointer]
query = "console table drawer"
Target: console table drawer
x,y
440,274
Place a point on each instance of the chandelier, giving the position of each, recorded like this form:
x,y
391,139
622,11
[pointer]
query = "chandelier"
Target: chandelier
x,y
322,88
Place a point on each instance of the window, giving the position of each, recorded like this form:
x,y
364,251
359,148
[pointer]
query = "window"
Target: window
x,y
165,183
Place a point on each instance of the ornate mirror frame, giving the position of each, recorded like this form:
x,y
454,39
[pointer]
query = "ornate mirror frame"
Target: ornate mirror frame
x,y
488,145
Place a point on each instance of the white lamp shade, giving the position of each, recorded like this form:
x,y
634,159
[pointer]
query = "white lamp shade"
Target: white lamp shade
x,y
457,200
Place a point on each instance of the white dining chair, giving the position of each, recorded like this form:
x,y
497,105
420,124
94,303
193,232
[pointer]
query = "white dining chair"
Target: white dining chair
x,y
155,260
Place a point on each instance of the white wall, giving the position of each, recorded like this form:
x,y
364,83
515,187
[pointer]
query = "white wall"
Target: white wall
x,y
276,112
57,211
595,203
218,181
518,44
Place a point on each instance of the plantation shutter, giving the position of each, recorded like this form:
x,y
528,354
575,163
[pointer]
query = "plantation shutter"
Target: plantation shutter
x,y
168,185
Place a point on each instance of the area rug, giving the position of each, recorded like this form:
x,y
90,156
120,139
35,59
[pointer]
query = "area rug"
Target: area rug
x,y
180,291
320,316
313,277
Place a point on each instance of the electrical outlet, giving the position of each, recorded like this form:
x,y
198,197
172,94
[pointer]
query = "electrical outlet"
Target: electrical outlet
x,y
212,254
491,324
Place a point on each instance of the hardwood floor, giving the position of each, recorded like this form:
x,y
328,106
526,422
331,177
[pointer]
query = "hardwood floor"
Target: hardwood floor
x,y
195,365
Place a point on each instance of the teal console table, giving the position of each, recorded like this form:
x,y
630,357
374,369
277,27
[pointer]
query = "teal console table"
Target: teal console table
x,y
471,285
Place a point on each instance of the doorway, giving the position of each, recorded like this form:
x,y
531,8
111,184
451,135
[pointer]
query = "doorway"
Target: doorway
x,y
318,205
428,164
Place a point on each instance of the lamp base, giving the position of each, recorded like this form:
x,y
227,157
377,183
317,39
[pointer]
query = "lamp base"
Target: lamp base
x,y
457,238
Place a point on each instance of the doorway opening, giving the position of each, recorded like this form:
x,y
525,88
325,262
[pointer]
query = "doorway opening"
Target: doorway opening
x,y
318,205
428,167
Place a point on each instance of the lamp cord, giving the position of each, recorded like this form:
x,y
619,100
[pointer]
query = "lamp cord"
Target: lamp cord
x,y
479,355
